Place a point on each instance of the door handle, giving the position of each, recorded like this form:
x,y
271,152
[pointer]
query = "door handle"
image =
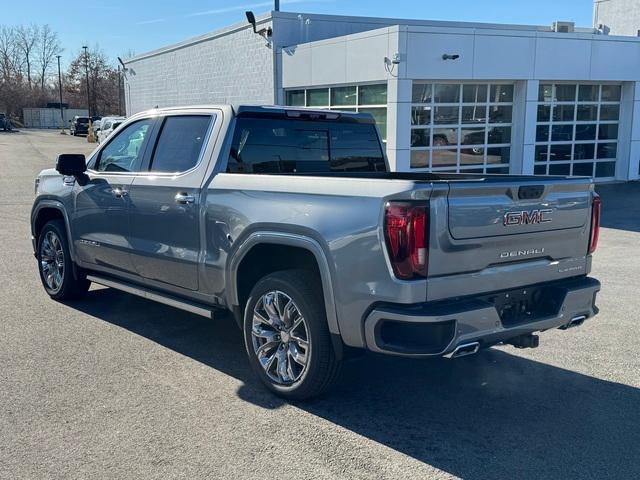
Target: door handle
x,y
119,192
185,198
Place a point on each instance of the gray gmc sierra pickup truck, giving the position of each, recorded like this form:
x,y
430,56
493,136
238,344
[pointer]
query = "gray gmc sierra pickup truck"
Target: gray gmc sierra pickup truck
x,y
291,220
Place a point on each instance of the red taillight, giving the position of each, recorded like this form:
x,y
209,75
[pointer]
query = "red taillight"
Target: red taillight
x,y
406,229
595,223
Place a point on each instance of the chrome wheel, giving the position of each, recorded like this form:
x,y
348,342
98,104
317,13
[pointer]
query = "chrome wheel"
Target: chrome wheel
x,y
280,338
52,261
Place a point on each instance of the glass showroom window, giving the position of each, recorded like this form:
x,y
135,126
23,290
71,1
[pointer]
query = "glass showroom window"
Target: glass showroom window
x,y
357,98
577,129
461,127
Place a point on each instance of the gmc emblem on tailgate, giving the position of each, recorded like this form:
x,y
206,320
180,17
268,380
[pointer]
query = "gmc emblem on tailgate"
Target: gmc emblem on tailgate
x,y
524,217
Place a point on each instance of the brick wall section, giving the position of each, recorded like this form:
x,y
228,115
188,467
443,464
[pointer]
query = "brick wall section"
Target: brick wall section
x,y
234,68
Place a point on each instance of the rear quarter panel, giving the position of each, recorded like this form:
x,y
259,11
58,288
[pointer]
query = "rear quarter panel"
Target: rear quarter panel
x,y
344,216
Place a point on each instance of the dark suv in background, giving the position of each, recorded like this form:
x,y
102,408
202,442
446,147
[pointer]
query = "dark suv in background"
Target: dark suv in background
x,y
79,126
5,123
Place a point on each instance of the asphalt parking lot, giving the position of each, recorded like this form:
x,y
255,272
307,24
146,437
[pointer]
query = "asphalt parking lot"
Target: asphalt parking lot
x,y
115,386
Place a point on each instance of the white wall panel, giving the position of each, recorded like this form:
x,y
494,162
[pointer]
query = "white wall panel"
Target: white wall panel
x,y
424,56
503,57
365,59
560,58
328,63
296,66
615,60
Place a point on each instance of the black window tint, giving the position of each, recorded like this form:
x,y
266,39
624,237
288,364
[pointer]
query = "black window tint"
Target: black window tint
x,y
289,146
124,151
180,143
355,147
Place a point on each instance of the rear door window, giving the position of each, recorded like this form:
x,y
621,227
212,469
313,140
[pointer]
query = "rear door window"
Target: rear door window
x,y
180,143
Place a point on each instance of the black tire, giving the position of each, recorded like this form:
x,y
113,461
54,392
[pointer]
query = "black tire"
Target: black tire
x,y
70,286
322,366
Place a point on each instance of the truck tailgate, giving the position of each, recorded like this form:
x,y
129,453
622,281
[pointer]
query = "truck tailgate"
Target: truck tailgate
x,y
479,211
501,233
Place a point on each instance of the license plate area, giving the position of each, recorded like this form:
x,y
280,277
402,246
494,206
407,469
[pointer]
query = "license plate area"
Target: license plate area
x,y
528,304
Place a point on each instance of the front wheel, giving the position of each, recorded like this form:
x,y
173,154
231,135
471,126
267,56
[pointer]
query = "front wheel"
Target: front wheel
x,y
55,264
287,337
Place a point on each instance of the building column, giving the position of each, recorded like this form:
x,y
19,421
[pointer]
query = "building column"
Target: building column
x,y
630,106
526,111
399,124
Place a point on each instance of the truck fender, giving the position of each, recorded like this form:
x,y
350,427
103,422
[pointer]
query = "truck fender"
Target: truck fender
x,y
293,240
56,205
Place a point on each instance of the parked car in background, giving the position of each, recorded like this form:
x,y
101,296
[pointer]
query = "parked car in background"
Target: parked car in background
x,y
108,125
291,220
95,126
5,122
79,126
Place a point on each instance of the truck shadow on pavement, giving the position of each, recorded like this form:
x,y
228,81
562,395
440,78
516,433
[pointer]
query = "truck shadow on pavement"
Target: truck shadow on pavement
x,y
493,415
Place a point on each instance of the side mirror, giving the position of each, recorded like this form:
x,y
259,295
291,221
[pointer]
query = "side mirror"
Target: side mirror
x,y
71,164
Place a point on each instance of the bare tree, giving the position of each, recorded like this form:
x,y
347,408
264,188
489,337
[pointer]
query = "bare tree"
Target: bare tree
x,y
11,80
27,58
103,82
10,56
48,47
27,37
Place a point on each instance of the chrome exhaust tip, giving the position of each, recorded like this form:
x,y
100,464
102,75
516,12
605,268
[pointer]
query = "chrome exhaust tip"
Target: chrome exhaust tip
x,y
464,350
574,322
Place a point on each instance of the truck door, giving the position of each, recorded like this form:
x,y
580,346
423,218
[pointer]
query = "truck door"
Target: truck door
x,y
165,202
100,222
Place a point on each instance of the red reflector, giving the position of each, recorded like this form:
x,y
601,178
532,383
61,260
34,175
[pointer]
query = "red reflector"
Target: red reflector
x,y
406,234
595,223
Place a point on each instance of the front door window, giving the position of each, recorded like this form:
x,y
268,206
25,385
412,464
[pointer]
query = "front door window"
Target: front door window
x,y
124,152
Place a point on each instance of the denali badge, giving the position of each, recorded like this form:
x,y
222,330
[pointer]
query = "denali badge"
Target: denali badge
x,y
527,217
522,253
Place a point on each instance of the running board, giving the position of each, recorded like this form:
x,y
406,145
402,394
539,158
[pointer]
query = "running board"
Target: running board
x,y
193,307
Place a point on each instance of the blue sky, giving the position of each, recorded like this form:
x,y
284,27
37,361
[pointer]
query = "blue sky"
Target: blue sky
x,y
119,26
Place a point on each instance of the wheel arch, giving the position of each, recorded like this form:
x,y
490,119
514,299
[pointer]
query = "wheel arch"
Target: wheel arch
x,y
45,211
293,241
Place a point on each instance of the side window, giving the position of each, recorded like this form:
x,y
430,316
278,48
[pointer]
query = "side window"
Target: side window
x,y
124,152
180,143
304,146
278,146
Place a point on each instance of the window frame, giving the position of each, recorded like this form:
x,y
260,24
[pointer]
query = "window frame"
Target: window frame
x,y
147,162
95,159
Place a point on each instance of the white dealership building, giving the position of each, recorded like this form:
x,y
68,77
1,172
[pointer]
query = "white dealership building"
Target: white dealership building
x,y
447,96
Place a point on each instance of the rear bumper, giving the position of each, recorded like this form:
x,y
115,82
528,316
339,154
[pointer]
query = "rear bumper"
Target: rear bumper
x,y
437,328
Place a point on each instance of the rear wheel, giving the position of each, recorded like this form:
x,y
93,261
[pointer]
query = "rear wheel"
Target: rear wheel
x,y
55,264
287,337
